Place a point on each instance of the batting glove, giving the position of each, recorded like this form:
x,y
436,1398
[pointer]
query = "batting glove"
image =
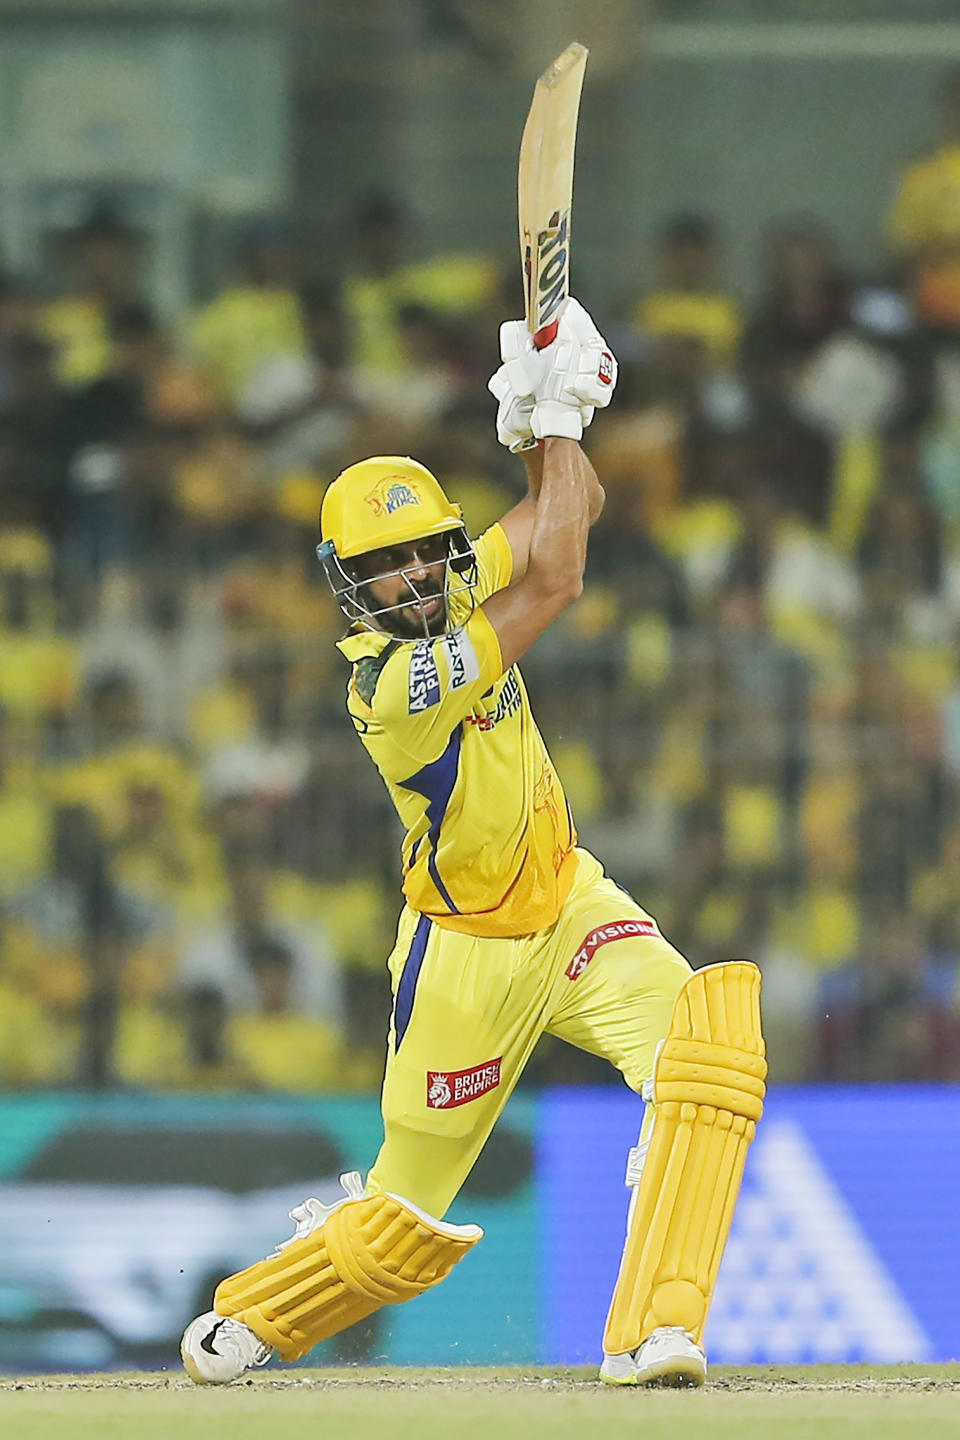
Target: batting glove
x,y
514,385
579,376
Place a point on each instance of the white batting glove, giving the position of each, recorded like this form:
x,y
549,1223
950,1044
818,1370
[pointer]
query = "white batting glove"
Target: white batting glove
x,y
579,376
513,413
514,385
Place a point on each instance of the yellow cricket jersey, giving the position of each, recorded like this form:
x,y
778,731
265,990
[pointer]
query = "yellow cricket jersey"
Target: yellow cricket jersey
x,y
925,225
489,848
77,327
713,318
452,285
240,329
926,211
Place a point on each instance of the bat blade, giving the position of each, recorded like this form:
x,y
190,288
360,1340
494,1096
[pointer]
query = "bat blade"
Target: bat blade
x,y
545,191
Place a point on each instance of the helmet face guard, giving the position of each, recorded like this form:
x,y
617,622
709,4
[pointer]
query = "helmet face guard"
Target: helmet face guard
x,y
353,594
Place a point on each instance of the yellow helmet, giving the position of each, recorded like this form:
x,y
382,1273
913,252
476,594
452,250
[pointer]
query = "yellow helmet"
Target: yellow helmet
x,y
378,503
386,500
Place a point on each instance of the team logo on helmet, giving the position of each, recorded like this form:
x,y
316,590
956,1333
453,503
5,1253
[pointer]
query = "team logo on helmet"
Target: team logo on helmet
x,y
392,494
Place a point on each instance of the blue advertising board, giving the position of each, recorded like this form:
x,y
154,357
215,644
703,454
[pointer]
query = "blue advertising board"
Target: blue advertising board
x,y
119,1214
837,1251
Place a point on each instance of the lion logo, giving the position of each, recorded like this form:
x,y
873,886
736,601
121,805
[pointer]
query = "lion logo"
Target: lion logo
x,y
390,495
545,802
440,1094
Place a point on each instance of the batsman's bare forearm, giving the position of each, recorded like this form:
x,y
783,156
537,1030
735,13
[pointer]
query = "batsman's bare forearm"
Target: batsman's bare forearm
x,y
533,464
561,522
596,495
557,553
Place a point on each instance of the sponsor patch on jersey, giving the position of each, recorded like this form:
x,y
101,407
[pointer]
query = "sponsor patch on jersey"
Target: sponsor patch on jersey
x,y
462,662
424,679
508,702
603,935
605,369
446,1089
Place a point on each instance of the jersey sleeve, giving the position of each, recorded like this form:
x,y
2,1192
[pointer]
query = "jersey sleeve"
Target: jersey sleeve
x,y
427,687
494,563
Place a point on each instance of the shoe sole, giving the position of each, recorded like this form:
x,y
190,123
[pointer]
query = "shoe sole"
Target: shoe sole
x,y
669,1375
674,1375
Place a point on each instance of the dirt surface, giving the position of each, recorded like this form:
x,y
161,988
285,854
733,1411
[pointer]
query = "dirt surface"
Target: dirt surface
x,y
822,1403
875,1379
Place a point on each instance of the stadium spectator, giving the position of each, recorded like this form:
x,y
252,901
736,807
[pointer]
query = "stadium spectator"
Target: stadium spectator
x,y
103,258
208,1060
223,953
282,1047
891,1014
255,317
806,301
754,705
689,301
382,278
33,468
303,405
924,224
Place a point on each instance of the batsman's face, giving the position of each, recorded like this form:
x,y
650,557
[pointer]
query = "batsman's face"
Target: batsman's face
x,y
412,577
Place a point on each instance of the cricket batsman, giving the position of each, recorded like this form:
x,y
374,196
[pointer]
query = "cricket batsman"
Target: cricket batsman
x,y
510,928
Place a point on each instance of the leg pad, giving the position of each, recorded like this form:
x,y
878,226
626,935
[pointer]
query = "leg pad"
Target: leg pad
x,y
369,1252
708,1090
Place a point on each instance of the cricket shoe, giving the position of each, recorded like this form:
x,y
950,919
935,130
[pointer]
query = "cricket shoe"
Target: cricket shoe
x,y
668,1358
215,1351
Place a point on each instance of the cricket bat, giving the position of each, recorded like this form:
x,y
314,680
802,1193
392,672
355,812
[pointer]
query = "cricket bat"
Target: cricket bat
x,y
545,191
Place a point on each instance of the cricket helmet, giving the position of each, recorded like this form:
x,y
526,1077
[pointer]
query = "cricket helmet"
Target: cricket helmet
x,y
386,500
379,503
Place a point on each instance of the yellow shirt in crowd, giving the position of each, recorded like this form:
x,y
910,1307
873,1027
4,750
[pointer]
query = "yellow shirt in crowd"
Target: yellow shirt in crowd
x,y
242,327
77,325
925,224
451,285
926,211
712,318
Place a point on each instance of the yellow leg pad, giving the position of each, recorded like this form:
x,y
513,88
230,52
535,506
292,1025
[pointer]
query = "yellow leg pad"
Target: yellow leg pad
x,y
708,1095
369,1252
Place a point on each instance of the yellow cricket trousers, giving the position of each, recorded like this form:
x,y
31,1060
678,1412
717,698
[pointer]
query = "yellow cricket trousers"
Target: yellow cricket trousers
x,y
468,1011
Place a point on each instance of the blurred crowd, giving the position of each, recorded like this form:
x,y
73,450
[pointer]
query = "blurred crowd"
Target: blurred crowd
x,y
755,706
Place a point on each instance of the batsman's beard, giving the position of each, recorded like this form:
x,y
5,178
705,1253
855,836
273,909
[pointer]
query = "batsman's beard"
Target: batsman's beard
x,y
426,616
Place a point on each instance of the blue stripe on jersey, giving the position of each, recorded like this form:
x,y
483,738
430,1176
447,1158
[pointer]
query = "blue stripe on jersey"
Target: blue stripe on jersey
x,y
407,989
435,783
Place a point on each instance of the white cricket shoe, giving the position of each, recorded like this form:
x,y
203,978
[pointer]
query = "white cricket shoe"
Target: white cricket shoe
x,y
668,1357
215,1351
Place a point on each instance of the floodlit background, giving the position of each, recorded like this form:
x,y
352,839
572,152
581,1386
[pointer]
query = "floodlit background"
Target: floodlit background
x,y
245,242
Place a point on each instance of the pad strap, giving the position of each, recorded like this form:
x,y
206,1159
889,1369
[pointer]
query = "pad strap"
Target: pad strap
x,y
373,1251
